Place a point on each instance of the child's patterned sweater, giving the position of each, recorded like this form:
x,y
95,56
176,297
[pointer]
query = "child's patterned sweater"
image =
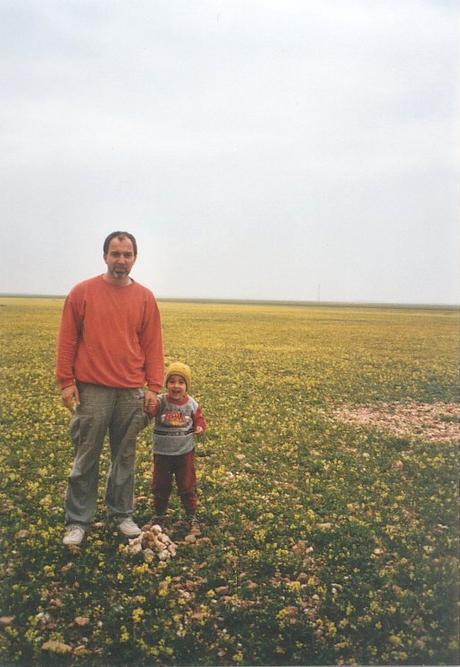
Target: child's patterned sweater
x,y
175,422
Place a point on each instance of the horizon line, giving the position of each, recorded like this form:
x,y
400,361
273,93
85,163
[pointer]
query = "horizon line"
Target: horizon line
x,y
287,302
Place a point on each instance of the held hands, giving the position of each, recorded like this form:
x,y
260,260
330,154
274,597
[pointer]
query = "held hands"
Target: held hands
x,y
151,402
70,397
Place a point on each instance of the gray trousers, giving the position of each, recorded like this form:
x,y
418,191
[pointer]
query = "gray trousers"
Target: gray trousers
x,y
121,413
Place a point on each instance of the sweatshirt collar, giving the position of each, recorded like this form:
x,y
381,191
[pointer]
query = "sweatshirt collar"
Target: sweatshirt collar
x,y
180,401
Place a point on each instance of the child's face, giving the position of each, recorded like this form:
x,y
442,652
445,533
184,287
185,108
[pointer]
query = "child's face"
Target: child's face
x,y
176,386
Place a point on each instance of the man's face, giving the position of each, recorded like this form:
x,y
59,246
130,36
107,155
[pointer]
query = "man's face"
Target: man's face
x,y
120,258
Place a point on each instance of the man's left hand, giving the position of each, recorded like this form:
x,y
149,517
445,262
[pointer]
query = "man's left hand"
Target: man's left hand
x,y
151,402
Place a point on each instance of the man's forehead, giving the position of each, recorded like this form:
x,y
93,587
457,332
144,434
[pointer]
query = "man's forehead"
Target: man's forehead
x,y
121,244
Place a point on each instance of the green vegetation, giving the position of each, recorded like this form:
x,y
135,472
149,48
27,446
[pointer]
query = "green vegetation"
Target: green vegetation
x,y
324,542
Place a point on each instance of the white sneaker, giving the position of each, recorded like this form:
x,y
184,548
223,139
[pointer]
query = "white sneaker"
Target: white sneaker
x,y
128,528
74,535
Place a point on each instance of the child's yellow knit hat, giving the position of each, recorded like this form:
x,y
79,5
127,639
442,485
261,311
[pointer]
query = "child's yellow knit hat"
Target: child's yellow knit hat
x,y
178,368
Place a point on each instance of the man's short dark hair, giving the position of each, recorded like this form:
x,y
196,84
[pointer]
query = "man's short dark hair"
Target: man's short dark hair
x,y
120,235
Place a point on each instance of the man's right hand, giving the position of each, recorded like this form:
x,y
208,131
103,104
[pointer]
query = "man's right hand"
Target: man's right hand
x,y
151,403
70,397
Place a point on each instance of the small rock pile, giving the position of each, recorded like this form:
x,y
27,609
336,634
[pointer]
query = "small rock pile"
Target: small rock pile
x,y
152,540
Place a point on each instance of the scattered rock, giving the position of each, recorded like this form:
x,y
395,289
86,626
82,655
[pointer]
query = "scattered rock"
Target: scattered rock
x,y
55,602
67,567
290,612
54,646
81,620
6,620
22,534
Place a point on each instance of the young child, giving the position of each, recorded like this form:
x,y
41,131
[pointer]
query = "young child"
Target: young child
x,y
178,418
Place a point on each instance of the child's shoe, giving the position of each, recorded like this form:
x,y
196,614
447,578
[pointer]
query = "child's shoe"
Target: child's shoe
x,y
193,525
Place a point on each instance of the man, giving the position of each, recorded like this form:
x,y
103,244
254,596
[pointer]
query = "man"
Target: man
x,y
109,349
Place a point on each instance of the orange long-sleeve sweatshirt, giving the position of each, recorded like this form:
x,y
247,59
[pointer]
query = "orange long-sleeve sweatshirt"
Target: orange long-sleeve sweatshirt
x,y
111,336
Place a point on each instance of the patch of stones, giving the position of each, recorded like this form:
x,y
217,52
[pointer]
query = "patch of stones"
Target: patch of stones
x,y
151,541
433,422
155,542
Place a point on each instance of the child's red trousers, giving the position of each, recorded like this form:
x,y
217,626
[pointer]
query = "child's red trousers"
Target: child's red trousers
x,y
181,467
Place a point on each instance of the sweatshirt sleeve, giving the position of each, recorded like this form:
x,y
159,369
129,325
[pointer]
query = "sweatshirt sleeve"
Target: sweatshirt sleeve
x,y
152,345
198,419
67,343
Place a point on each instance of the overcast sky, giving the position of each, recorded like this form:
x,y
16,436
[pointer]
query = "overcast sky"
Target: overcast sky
x,y
259,149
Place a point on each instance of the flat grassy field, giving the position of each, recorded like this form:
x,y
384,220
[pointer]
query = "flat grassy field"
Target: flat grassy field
x,y
328,491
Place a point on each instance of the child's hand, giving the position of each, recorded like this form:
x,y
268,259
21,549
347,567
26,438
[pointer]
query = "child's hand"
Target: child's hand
x,y
198,430
151,403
